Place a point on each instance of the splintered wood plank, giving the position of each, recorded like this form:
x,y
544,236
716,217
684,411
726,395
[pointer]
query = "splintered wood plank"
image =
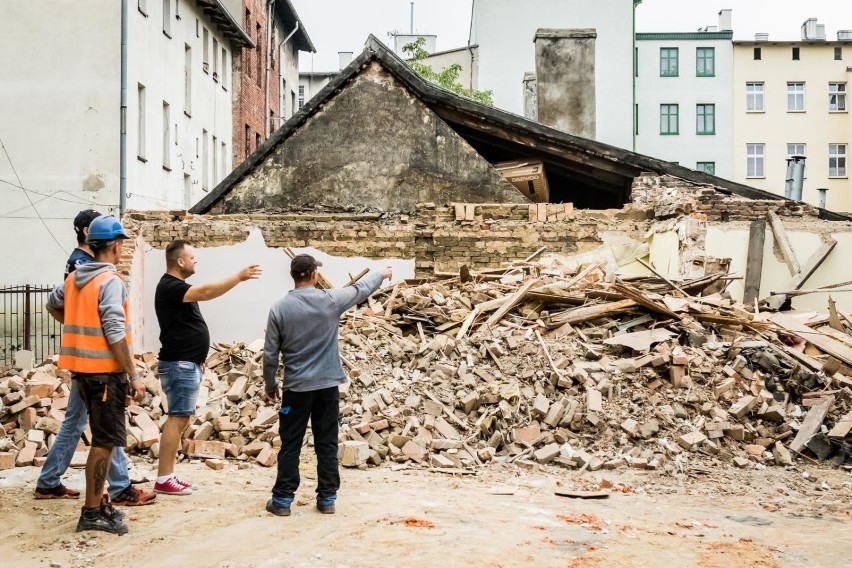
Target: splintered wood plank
x,y
754,261
780,234
511,302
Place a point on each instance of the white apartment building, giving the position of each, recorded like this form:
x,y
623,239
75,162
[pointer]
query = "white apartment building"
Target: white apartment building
x,y
61,116
684,102
504,31
791,98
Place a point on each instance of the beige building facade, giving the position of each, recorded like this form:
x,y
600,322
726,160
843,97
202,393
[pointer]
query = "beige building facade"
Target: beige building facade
x,y
791,98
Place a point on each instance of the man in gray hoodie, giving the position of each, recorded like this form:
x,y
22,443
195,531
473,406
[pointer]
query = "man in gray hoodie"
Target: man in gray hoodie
x,y
303,329
96,348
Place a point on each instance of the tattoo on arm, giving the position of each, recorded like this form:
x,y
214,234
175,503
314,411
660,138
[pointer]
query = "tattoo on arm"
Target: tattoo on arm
x,y
101,469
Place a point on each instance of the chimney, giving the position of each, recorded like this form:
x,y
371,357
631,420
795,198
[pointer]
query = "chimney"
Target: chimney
x,y
725,20
811,31
844,35
761,36
344,58
530,96
565,78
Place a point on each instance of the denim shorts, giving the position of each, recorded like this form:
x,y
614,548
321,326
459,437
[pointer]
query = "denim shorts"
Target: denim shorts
x,y
180,381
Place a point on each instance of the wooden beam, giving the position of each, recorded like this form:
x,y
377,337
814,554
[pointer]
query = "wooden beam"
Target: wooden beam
x,y
813,263
811,424
831,346
588,313
780,234
511,301
754,261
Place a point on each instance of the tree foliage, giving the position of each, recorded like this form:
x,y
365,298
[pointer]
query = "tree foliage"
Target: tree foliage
x,y
447,78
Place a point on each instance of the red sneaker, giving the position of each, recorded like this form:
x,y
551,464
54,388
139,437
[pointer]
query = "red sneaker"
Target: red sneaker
x,y
186,484
172,486
132,497
58,492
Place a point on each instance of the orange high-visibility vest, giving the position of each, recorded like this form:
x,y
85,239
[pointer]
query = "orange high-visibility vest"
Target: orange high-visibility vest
x,y
84,346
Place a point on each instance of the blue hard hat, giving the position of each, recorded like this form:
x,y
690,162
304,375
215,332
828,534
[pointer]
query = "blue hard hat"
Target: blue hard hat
x,y
106,228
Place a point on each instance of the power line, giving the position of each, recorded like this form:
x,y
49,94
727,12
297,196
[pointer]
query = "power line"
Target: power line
x,y
20,183
53,195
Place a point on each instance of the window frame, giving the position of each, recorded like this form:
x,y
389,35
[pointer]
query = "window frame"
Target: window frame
x,y
669,115
701,167
167,18
167,136
758,54
187,79
668,59
141,123
838,53
704,115
790,93
841,95
755,94
838,156
205,53
712,59
142,6
761,156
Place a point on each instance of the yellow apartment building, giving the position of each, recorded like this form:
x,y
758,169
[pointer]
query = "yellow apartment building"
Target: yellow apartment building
x,y
792,98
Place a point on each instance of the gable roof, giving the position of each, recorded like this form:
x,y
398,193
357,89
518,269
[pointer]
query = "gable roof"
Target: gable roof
x,y
498,135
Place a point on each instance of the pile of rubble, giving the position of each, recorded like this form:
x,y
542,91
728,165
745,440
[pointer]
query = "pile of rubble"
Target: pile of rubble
x,y
529,364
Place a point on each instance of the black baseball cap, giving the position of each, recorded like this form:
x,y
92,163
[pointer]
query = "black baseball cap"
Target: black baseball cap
x,y
84,219
304,264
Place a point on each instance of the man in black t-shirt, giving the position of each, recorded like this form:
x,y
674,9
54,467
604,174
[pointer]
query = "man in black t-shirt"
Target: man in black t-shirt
x,y
184,341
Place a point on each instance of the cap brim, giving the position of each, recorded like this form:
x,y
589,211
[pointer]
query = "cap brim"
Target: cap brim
x,y
318,263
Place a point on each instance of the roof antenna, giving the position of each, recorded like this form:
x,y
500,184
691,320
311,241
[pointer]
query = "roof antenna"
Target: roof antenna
x,y
412,18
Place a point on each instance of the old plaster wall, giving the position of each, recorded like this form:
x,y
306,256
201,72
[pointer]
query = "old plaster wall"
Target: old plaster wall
x,y
395,154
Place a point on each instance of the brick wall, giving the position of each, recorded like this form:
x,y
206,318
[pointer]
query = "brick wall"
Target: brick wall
x,y
249,77
670,196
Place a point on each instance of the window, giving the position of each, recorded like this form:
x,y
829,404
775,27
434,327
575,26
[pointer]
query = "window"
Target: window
x,y
167,18
636,119
838,53
205,51
215,147
284,98
668,62
705,61
795,150
757,54
143,7
140,135
258,58
669,119
755,155
205,162
795,97
187,80
837,97
257,140
301,96
635,61
705,119
837,160
754,97
167,142
248,137
177,9
706,167
225,68
293,101
795,54
215,59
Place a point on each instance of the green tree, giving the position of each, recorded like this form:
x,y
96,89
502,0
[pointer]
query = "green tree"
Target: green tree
x,y
447,78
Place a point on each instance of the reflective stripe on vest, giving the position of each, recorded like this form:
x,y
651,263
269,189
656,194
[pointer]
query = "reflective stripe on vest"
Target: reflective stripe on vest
x,y
84,346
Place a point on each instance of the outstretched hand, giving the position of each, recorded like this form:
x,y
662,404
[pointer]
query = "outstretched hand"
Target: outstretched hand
x,y
387,273
252,272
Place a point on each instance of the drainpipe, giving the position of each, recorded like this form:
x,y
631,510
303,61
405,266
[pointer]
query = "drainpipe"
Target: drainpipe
x,y
281,69
270,23
122,159
788,180
635,69
798,177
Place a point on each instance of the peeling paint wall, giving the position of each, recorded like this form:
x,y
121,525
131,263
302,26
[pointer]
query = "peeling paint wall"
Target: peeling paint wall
x,y
373,145
240,315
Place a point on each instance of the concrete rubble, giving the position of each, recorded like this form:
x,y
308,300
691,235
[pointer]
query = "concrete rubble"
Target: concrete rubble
x,y
532,365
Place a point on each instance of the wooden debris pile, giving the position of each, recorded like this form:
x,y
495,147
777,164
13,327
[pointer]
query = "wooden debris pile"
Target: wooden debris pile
x,y
530,364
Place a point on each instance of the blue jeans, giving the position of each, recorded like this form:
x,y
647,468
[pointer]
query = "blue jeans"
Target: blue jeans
x,y
180,381
62,450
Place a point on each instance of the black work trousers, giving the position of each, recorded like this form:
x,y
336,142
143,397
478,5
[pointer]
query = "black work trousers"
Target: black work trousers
x,y
322,407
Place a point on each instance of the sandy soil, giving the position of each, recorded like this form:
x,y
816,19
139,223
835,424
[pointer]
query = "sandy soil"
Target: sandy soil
x,y
499,518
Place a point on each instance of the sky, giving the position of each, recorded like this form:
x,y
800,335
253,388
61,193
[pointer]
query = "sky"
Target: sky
x,y
343,25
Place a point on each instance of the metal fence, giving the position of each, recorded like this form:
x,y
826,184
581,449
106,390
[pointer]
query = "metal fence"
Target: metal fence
x,y
25,324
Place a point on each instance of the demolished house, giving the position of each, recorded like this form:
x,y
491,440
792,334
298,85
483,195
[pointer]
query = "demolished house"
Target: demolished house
x,y
641,315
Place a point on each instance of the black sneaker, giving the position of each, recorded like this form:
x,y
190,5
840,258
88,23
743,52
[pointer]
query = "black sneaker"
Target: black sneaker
x,y
103,518
276,510
325,508
106,505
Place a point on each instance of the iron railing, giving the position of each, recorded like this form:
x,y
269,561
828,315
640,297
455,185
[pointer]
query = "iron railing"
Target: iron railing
x,y
25,324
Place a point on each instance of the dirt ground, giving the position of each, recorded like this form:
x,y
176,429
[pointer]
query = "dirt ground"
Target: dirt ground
x,y
498,518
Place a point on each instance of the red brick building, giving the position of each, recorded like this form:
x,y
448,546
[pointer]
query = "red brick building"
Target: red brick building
x,y
265,78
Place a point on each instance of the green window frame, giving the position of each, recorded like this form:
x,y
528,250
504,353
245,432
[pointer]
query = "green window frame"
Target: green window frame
x,y
669,120
705,119
706,167
705,61
668,62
